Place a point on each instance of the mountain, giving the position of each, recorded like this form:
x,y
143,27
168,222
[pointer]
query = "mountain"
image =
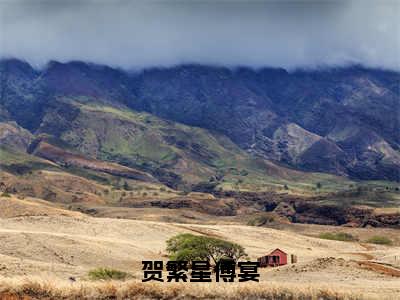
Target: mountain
x,y
193,123
346,120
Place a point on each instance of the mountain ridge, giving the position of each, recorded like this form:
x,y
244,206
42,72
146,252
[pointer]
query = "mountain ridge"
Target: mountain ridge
x,y
342,121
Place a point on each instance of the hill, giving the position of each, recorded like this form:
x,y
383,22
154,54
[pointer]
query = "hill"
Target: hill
x,y
135,145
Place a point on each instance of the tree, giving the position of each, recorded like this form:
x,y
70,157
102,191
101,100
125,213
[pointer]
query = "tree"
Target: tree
x,y
319,185
189,247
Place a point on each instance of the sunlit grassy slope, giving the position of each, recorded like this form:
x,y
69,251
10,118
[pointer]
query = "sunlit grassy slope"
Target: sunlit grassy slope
x,y
195,155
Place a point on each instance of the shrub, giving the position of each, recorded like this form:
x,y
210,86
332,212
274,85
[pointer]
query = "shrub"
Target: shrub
x,y
204,187
338,236
107,274
260,220
127,187
244,173
380,240
5,194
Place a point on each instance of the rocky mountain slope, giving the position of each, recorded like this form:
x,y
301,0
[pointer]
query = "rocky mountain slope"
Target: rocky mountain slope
x,y
341,121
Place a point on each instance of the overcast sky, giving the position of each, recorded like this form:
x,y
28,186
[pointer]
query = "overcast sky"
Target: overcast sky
x,y
133,34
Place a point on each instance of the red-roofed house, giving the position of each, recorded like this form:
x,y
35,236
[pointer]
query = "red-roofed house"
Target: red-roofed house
x,y
273,259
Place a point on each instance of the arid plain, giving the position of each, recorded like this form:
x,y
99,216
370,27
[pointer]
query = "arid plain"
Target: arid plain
x,y
43,243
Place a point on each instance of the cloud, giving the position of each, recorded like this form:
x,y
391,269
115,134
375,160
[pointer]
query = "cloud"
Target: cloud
x,y
135,34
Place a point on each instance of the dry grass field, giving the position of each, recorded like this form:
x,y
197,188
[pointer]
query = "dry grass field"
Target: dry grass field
x,y
42,246
37,288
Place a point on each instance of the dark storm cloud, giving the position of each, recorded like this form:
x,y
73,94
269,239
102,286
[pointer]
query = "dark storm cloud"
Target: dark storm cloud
x,y
134,34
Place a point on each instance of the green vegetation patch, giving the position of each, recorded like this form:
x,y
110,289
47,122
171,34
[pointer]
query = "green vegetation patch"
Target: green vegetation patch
x,y
107,274
380,240
19,163
338,236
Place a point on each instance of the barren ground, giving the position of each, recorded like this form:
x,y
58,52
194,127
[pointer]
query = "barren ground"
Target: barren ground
x,y
39,239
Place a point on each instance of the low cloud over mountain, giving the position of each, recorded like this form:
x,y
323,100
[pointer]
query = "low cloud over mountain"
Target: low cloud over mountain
x,y
134,34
